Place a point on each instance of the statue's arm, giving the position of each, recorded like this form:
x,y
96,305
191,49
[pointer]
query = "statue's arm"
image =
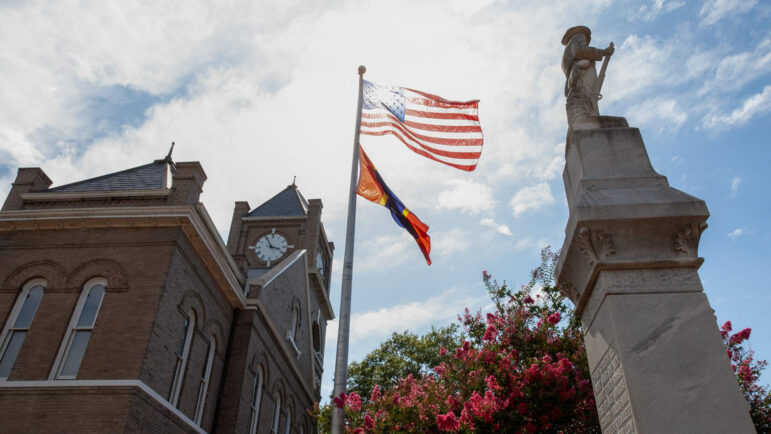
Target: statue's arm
x,y
589,53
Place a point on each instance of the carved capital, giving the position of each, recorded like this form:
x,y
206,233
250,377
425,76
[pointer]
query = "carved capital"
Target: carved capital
x,y
595,245
569,290
687,239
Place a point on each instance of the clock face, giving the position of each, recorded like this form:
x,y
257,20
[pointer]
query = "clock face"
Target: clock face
x,y
271,247
320,263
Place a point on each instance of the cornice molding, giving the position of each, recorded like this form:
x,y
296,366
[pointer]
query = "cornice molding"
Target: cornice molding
x,y
194,221
102,384
55,196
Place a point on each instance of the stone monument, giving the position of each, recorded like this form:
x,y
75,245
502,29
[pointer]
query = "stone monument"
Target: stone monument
x,y
630,265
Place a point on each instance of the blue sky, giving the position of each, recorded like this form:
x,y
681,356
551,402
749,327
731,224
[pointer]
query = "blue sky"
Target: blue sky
x,y
259,92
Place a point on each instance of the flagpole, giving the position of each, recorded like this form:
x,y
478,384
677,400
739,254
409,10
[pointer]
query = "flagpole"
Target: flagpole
x,y
343,330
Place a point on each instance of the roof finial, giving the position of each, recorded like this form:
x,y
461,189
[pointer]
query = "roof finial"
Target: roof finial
x,y
293,180
168,156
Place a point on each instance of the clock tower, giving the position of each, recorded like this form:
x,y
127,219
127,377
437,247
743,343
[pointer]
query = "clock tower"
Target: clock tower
x,y
263,237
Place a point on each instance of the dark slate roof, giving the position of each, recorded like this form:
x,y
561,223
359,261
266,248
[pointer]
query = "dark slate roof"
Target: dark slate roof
x,y
148,177
288,203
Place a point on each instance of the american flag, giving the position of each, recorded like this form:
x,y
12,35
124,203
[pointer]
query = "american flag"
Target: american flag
x,y
444,131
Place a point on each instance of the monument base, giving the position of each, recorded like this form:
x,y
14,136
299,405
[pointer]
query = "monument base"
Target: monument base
x,y
629,263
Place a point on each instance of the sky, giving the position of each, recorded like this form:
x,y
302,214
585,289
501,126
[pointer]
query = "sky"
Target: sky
x,y
262,91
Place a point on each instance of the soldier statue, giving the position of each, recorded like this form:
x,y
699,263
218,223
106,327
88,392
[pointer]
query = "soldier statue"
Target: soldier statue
x,y
582,85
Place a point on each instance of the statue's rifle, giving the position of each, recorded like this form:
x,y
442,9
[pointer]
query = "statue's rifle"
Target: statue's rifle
x,y
601,77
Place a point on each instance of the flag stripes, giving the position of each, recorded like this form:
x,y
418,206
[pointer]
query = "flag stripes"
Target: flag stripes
x,y
445,131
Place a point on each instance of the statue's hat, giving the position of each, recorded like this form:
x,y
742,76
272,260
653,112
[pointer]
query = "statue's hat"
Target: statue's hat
x,y
576,30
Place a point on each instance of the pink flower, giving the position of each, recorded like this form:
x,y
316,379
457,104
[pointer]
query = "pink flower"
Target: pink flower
x,y
546,359
339,401
354,402
490,333
442,351
726,326
745,334
492,383
553,318
375,394
447,422
530,427
439,369
522,408
358,431
369,422
529,299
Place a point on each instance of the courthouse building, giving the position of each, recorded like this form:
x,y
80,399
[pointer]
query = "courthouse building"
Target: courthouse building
x,y
123,310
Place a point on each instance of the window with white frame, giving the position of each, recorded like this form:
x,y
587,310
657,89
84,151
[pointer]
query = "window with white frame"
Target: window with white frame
x,y
75,341
204,386
256,398
183,350
294,329
288,424
17,324
276,413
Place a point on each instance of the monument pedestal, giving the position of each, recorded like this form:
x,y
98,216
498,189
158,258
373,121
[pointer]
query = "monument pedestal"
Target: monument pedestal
x,y
629,263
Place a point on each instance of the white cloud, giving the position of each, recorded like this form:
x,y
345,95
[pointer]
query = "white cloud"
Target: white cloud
x,y
734,71
735,181
531,198
385,252
737,233
376,325
714,10
500,228
639,63
453,241
652,11
755,105
660,113
466,195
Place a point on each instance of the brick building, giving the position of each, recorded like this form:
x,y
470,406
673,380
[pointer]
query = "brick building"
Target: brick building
x,y
123,310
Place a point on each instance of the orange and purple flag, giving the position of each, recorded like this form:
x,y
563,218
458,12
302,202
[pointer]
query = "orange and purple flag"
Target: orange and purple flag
x,y
373,188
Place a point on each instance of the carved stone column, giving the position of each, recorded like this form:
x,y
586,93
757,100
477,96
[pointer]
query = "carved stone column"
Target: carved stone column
x,y
629,263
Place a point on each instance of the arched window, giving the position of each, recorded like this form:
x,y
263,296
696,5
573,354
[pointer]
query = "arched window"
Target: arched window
x,y
256,398
183,350
288,424
316,332
18,323
203,388
276,413
294,329
75,341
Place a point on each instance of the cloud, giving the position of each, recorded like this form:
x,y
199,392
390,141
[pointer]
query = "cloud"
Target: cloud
x,y
453,241
737,233
466,195
385,252
649,13
715,10
735,70
377,325
757,104
735,181
531,198
500,228
660,113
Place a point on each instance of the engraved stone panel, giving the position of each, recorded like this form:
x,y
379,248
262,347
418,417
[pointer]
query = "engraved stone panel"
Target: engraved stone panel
x,y
613,404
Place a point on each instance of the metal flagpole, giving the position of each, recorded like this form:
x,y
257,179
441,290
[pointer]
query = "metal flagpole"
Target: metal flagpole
x,y
343,330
